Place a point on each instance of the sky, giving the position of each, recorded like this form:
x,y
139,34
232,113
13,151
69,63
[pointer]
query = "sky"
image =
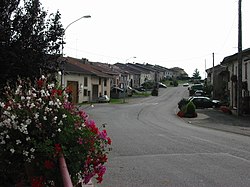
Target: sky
x,y
176,33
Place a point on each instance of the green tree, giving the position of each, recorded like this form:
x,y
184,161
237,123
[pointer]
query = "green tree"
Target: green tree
x,y
30,40
196,74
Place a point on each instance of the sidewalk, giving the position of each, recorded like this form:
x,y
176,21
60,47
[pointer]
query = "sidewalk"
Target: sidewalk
x,y
216,119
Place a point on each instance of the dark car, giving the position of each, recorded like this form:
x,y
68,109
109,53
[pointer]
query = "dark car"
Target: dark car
x,y
204,102
199,93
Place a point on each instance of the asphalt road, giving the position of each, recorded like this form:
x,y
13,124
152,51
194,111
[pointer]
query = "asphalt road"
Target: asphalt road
x,y
154,147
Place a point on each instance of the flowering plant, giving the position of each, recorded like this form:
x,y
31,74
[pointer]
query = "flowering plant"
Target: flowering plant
x,y
37,126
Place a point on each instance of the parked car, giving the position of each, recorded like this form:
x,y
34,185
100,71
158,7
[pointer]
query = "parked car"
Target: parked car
x,y
199,93
141,89
204,102
195,87
161,85
186,84
103,99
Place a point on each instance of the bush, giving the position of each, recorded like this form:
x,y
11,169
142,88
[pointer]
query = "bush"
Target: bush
x,y
148,85
182,103
187,109
190,108
154,92
175,83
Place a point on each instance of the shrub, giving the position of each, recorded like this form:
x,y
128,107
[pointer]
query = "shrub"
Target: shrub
x,y
175,83
154,92
190,108
182,103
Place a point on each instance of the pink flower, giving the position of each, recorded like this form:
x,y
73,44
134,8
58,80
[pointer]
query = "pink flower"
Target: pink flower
x,y
103,134
87,178
48,164
58,148
109,140
80,141
40,83
37,182
68,105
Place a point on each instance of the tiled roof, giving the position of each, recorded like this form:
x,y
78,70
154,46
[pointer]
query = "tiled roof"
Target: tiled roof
x,y
84,67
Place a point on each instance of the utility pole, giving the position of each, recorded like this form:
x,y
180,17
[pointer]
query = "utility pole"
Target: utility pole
x,y
239,83
213,78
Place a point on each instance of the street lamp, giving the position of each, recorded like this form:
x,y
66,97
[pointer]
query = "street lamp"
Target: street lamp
x,y
87,16
62,70
125,82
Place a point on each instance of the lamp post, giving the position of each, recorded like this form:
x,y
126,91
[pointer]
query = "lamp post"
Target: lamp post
x,y
87,16
125,82
62,70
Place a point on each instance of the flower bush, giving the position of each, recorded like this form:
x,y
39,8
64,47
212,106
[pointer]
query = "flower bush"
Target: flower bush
x,y
38,125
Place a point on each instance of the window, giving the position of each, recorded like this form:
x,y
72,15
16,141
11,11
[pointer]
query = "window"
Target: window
x,y
245,70
85,81
100,81
105,92
105,82
85,92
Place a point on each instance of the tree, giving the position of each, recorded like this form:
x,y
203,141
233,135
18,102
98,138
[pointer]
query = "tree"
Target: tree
x,y
196,74
29,40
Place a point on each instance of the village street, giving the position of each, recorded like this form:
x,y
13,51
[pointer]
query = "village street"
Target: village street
x,y
152,146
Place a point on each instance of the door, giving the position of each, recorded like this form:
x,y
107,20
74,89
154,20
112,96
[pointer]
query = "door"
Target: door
x,y
95,92
73,85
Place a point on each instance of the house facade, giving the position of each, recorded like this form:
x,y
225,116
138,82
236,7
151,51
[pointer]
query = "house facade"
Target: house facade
x,y
231,62
224,79
86,83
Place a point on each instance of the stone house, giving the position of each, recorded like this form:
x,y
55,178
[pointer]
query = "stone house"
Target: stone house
x,y
86,82
224,78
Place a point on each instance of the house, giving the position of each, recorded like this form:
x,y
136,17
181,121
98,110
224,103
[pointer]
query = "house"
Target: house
x,y
132,74
179,72
218,77
231,62
85,80
224,79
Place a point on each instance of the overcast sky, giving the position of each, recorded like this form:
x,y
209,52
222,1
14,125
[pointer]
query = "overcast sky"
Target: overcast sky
x,y
176,33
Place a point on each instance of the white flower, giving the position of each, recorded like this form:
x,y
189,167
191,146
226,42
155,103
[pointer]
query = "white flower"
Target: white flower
x,y
47,93
25,153
44,118
28,97
42,93
22,97
28,138
60,123
32,105
51,86
28,122
32,150
2,142
13,117
18,142
59,130
43,77
64,116
7,136
2,104
51,103
8,108
36,116
55,118
12,150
